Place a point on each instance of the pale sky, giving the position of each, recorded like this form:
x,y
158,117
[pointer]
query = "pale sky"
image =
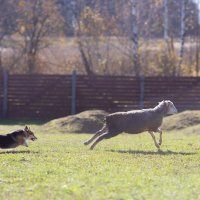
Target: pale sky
x,y
198,2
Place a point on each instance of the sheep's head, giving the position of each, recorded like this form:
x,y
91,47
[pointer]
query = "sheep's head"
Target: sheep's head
x,y
169,106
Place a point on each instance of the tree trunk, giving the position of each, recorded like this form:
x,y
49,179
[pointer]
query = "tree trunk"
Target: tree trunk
x,y
166,23
197,51
85,60
135,46
31,61
182,35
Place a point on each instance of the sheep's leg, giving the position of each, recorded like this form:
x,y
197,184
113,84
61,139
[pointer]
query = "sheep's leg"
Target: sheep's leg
x,y
101,137
105,135
97,134
154,139
160,140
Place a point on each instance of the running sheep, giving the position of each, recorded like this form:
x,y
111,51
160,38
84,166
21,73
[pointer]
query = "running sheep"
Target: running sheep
x,y
134,122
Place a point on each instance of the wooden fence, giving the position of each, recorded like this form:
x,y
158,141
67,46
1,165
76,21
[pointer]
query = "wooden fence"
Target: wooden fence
x,y
53,96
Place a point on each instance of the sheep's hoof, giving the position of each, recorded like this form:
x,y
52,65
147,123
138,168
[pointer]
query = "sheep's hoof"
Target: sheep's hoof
x,y
159,150
158,146
160,143
91,148
86,143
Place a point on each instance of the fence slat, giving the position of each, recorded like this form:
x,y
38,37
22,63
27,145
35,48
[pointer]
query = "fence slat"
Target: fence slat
x,y
73,102
5,93
141,92
52,96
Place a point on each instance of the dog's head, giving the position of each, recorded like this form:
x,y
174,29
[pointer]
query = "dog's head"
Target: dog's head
x,y
29,134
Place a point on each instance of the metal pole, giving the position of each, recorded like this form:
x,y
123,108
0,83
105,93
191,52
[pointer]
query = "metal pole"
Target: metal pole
x,y
73,99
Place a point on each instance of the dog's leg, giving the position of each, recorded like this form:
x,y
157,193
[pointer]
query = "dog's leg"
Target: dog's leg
x,y
97,134
154,139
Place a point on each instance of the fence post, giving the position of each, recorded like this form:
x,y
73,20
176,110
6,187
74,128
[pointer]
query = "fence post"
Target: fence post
x,y
73,90
5,94
141,91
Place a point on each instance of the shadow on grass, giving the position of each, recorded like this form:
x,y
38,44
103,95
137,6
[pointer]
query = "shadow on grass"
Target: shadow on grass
x,y
152,152
19,152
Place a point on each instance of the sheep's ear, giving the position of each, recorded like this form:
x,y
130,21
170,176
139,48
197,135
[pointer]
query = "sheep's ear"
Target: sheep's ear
x,y
166,102
161,101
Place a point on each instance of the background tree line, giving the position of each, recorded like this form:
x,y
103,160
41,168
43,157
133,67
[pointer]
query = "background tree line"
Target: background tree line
x,y
126,37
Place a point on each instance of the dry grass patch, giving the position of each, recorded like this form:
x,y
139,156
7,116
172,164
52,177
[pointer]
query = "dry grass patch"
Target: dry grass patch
x,y
183,120
85,122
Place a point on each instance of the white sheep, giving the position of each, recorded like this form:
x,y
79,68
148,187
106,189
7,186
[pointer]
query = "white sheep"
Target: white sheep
x,y
134,122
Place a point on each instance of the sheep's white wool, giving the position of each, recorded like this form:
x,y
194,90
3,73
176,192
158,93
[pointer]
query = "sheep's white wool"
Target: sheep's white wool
x,y
134,122
171,108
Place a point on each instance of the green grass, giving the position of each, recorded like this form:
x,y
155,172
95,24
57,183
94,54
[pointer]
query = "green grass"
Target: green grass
x,y
59,166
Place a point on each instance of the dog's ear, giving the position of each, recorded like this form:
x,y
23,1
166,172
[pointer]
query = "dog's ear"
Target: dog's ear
x,y
26,128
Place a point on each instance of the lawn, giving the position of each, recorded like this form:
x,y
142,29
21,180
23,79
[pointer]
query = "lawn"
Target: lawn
x,y
59,166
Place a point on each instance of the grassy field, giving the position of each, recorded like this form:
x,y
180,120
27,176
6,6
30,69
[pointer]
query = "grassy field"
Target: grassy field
x,y
59,166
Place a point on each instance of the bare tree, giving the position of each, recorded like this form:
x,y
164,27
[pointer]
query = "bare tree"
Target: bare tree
x,y
166,19
7,22
135,38
197,56
77,7
7,18
93,31
182,35
38,20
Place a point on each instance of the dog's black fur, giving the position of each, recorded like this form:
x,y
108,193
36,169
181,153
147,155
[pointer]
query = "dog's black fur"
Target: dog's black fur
x,y
10,140
17,138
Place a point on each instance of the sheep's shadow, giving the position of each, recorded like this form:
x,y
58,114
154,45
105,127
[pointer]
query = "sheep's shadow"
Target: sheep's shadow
x,y
160,152
19,152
